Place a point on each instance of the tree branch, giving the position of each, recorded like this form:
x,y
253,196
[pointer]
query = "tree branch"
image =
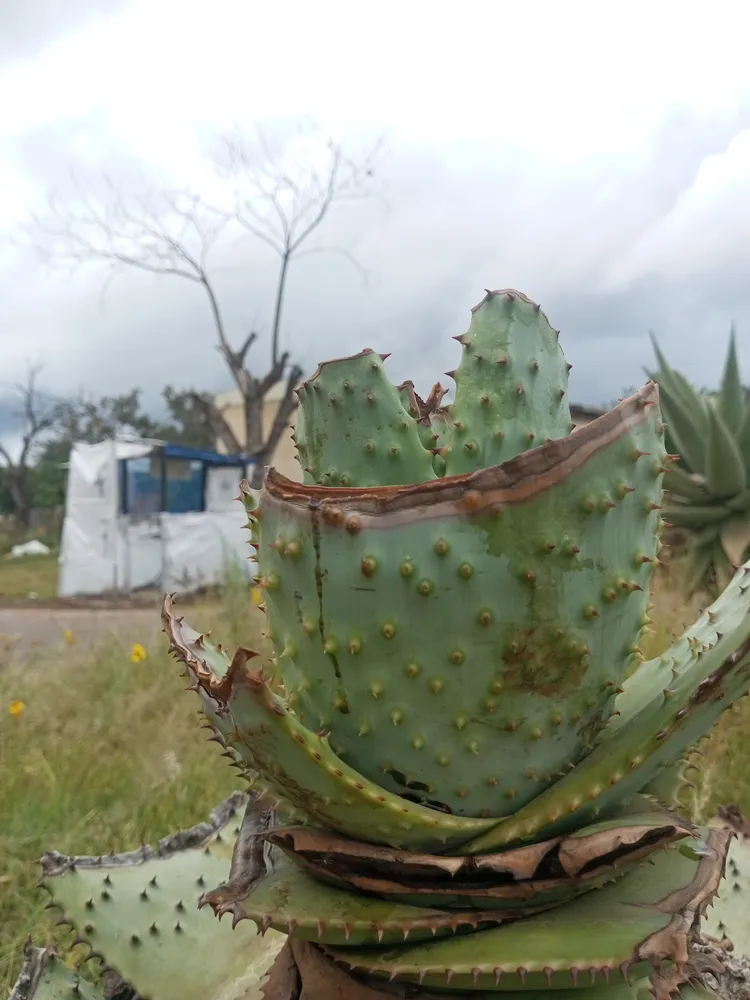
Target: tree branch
x,y
36,417
281,421
217,422
278,196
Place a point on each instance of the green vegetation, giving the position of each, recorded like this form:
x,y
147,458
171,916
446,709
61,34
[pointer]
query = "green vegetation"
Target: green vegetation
x,y
37,575
105,753
709,484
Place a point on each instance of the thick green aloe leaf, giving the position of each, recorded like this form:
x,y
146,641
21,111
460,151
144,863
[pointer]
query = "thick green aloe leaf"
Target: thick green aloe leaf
x,y
45,976
642,918
741,502
724,468
353,428
537,572
139,912
664,365
688,515
526,878
731,400
665,708
299,763
681,484
511,385
729,917
321,978
289,900
743,440
685,425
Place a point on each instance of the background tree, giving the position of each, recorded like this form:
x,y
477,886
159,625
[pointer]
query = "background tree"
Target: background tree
x,y
92,420
36,413
275,198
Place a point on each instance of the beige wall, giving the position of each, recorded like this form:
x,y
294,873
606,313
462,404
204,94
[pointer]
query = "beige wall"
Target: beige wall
x,y
285,459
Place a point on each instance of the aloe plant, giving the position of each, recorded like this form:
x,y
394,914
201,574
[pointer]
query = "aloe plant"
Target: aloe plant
x,y
709,486
458,756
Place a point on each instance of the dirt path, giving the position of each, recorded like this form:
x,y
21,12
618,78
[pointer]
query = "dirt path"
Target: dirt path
x,y
24,628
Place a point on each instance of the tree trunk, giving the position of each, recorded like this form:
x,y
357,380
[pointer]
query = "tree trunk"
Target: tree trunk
x,y
253,425
21,503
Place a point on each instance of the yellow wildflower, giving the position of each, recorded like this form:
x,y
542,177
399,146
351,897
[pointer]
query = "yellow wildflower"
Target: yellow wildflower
x,y
16,708
257,596
137,653
69,636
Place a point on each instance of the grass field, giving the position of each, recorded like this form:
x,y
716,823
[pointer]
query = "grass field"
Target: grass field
x,y
29,575
106,754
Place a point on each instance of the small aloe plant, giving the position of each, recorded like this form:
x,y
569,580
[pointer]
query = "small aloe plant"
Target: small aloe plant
x,y
458,756
709,488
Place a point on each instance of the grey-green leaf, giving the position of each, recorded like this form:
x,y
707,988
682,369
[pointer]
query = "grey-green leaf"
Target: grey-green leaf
x,y
725,470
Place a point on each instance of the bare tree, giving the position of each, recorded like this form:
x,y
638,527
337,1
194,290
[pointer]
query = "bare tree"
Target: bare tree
x,y
37,414
274,199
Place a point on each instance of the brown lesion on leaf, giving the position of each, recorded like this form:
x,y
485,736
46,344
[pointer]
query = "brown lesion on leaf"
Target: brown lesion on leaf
x,y
517,874
686,905
543,659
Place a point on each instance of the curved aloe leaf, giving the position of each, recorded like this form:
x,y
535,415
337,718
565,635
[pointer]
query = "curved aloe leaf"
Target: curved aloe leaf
x,y
289,900
537,571
139,912
724,466
318,975
45,976
511,385
684,427
517,881
729,917
731,399
690,486
684,515
626,928
354,429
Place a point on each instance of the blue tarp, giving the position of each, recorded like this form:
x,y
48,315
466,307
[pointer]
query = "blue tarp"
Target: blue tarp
x,y
145,489
203,455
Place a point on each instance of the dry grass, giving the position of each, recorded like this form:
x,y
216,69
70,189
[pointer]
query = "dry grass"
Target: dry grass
x,y
107,754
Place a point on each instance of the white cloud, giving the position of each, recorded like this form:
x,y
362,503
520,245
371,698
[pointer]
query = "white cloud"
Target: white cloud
x,y
577,150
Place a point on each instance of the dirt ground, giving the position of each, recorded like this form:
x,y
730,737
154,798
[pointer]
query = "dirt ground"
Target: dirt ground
x,y
24,628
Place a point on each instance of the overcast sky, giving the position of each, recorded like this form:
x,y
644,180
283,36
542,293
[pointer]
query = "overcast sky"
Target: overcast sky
x,y
595,156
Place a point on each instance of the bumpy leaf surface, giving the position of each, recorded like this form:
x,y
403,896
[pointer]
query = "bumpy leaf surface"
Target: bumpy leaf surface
x,y
353,429
436,631
665,707
299,764
139,911
729,917
511,385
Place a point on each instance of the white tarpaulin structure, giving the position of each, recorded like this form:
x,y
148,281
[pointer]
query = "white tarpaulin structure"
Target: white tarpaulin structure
x,y
150,514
